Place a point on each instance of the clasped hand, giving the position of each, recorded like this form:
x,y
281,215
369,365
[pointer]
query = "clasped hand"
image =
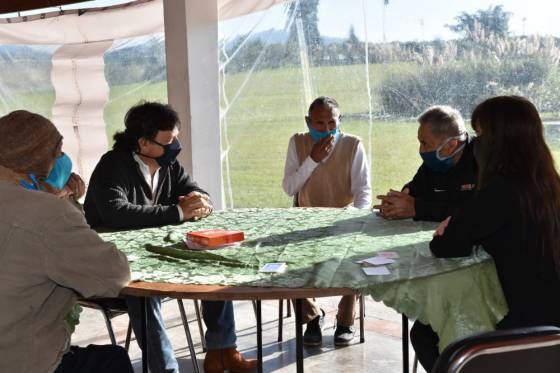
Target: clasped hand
x,y
195,206
396,205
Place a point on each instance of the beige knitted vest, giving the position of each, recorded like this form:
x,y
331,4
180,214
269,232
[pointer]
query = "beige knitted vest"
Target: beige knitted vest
x,y
330,183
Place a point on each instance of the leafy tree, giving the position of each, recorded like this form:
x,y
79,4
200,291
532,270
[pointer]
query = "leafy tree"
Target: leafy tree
x,y
304,11
354,48
352,38
493,20
307,11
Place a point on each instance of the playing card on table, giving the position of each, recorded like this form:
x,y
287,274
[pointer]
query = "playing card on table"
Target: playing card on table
x,y
377,261
376,271
389,254
273,268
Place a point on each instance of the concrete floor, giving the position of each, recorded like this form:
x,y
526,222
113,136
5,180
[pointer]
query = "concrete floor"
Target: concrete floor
x,y
380,353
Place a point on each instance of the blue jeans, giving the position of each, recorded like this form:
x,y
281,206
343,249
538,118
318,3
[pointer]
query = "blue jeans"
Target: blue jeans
x,y
220,324
161,357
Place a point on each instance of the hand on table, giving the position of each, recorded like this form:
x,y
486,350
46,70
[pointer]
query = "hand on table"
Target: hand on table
x,y
396,205
195,206
440,230
322,148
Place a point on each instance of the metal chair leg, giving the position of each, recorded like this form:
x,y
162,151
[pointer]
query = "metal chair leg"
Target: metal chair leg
x,y
289,308
128,336
362,317
200,327
280,319
405,343
189,337
259,337
299,336
144,333
255,308
364,310
109,328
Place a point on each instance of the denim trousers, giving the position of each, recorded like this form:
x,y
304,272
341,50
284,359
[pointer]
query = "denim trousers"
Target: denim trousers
x,y
161,357
220,324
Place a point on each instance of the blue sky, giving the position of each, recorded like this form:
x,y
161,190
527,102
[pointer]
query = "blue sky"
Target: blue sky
x,y
404,19
407,20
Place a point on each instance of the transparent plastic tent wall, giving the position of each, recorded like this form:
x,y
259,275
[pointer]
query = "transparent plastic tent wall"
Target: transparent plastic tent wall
x,y
272,64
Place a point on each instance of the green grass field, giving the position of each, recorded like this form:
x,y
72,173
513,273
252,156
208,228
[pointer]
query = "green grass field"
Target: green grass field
x,y
270,108
267,108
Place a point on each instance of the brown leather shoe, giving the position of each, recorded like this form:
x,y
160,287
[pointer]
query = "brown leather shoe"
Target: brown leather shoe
x,y
218,361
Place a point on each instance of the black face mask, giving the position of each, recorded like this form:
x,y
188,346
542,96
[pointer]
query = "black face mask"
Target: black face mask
x,y
170,153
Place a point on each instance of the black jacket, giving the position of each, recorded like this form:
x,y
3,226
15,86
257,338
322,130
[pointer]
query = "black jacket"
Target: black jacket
x,y
118,196
438,194
493,219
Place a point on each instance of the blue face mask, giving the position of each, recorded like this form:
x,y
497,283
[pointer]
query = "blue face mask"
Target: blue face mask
x,y
33,185
60,173
318,135
170,153
438,163
58,177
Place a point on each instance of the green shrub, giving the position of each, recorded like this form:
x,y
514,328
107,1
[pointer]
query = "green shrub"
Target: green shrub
x,y
464,84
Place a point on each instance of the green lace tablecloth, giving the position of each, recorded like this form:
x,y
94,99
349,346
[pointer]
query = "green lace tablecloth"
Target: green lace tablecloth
x,y
456,296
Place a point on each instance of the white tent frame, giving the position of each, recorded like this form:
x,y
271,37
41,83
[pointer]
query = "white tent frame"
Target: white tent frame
x,y
191,29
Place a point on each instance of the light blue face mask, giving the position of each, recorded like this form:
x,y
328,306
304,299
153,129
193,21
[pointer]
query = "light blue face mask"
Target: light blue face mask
x,y
33,185
60,173
439,163
318,135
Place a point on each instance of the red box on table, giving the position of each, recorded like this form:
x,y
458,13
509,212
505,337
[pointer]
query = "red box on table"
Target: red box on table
x,y
215,237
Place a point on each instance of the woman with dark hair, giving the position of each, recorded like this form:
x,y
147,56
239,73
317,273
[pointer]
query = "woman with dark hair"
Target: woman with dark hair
x,y
515,217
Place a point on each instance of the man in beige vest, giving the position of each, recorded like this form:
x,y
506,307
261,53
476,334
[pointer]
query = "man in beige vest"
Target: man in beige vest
x,y
327,168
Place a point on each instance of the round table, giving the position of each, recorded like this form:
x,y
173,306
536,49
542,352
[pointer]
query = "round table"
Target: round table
x,y
144,290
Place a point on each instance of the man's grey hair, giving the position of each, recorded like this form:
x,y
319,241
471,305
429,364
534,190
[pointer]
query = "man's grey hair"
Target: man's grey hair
x,y
323,102
443,120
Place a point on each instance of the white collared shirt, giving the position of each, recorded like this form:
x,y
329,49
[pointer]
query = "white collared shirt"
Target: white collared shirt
x,y
296,176
153,182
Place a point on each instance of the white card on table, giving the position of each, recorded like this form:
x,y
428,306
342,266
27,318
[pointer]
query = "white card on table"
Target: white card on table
x,y
131,258
376,271
273,268
389,254
377,261
135,276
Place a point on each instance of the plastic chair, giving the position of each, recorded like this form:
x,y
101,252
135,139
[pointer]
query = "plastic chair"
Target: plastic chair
x,y
535,350
112,307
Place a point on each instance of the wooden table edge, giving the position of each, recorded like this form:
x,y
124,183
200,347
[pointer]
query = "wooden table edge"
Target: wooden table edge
x,y
221,292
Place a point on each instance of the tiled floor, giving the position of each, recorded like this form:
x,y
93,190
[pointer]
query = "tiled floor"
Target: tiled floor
x,y
380,353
